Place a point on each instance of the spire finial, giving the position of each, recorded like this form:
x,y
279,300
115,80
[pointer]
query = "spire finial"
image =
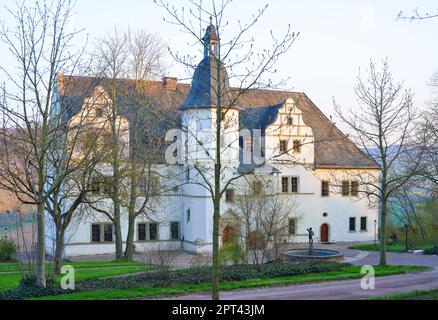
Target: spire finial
x,y
211,20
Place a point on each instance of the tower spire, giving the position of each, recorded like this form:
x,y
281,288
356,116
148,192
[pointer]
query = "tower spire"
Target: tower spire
x,y
211,40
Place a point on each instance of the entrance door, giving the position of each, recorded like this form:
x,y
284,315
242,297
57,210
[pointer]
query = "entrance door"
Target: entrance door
x,y
228,235
325,233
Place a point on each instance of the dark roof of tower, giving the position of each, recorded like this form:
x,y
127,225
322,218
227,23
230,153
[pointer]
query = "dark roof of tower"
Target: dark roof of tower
x,y
206,86
210,33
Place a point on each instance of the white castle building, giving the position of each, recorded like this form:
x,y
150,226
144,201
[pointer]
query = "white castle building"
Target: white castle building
x,y
305,156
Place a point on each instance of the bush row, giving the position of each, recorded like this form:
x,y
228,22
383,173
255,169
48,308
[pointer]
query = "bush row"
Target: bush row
x,y
194,275
197,275
431,251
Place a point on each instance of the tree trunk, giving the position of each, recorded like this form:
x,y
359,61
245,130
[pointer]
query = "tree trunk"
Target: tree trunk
x,y
129,251
216,258
41,256
59,249
383,212
118,232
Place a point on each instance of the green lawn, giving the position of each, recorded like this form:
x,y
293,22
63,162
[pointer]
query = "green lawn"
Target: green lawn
x,y
414,295
391,247
147,291
84,270
13,267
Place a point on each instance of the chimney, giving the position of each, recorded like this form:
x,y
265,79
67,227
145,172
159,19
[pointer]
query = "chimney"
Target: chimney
x,y
170,83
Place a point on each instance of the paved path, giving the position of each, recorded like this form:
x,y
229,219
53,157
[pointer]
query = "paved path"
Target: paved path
x,y
349,289
338,290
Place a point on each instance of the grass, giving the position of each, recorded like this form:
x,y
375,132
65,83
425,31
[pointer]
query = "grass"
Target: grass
x,y
84,271
413,295
391,247
14,267
149,292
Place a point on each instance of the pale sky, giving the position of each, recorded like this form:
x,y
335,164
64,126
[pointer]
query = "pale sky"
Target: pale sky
x,y
337,37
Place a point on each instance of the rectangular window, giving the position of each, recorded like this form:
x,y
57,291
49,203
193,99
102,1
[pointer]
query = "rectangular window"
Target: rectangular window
x,y
325,189
292,226
188,216
174,231
352,224
257,186
354,188
108,233
229,195
283,146
345,188
248,145
294,182
290,121
285,185
297,146
95,233
153,232
95,186
364,224
141,230
188,175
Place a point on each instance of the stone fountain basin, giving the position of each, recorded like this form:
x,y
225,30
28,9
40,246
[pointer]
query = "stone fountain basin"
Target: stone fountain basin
x,y
319,255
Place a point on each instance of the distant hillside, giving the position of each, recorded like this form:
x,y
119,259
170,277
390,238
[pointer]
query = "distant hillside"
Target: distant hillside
x,y
9,202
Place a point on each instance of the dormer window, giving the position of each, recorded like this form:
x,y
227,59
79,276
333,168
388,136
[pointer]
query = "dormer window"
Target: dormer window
x,y
283,146
297,146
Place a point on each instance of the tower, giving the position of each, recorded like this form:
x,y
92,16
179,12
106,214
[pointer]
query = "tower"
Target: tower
x,y
210,90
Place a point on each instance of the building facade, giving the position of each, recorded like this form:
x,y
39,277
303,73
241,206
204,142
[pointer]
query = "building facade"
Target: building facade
x,y
277,137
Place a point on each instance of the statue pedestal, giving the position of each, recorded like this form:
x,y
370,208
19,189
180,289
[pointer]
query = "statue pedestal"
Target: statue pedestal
x,y
311,251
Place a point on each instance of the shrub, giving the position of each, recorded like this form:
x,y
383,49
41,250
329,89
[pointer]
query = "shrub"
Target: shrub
x,y
8,250
197,275
232,252
431,251
28,289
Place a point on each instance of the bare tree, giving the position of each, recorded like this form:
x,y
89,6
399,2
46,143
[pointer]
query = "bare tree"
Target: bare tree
x,y
416,15
40,41
78,152
249,70
265,214
132,122
382,126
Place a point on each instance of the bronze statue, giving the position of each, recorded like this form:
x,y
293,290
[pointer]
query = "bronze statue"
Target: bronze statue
x,y
311,234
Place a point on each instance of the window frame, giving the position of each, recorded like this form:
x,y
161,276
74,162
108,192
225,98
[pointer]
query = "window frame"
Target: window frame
x,y
362,219
352,220
345,188
297,188
297,146
105,233
157,231
93,233
285,183
292,222
325,189
283,146
177,223
145,231
354,189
